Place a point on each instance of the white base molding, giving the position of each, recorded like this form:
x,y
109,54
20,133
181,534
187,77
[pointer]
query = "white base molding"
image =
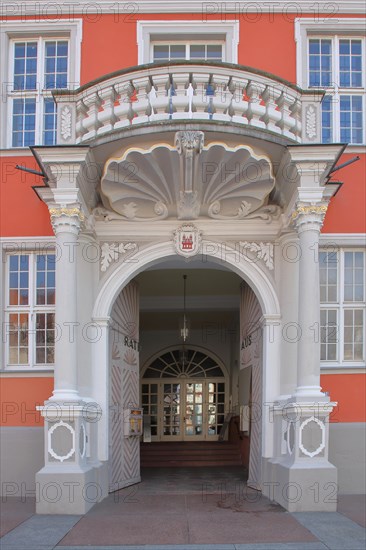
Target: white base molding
x,y
302,487
74,490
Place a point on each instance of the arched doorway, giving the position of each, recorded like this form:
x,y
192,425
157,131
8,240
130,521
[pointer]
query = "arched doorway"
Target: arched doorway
x,y
157,255
184,395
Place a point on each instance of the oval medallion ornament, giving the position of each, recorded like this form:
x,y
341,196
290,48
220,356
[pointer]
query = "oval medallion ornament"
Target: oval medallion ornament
x,y
187,240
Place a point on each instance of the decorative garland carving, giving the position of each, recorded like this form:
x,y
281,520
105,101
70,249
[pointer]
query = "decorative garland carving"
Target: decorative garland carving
x,y
310,116
110,253
65,127
263,251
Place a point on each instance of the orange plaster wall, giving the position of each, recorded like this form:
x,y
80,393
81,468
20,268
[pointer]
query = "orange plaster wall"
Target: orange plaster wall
x,y
269,45
347,210
19,397
22,213
110,43
349,390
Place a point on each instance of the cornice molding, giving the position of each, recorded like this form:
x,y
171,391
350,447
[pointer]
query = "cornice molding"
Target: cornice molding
x,y
222,231
342,239
125,8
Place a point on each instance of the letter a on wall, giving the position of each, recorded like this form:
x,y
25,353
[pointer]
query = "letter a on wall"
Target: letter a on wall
x,y
124,388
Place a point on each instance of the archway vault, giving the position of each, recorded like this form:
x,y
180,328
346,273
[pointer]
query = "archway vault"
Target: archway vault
x,y
154,254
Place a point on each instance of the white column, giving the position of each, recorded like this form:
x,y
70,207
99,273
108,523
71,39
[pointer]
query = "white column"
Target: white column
x,y
271,327
66,225
100,377
308,221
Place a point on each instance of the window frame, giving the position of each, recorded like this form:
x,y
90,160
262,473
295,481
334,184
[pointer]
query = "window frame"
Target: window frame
x,y
31,309
34,30
189,31
40,94
187,44
341,305
340,29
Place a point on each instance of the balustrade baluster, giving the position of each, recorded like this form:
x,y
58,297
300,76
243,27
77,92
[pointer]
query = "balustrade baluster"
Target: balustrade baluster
x,y
123,110
228,95
93,103
81,115
161,102
272,114
141,104
286,122
107,116
255,111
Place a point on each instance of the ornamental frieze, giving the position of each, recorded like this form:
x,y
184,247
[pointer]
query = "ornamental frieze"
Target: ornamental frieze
x,y
262,251
110,252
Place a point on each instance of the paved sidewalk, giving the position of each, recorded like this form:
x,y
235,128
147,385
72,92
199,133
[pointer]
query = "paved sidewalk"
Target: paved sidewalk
x,y
195,509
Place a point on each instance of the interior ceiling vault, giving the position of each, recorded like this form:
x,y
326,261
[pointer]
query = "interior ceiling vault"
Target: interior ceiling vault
x,y
212,298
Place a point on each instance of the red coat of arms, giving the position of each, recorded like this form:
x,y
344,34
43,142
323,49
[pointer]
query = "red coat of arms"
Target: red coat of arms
x,y
187,240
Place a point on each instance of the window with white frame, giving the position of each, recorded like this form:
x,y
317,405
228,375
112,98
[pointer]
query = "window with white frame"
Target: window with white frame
x,y
38,66
342,310
37,58
333,58
29,330
335,64
187,40
195,51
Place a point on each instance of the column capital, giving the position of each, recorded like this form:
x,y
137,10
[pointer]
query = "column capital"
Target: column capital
x,y
66,219
309,217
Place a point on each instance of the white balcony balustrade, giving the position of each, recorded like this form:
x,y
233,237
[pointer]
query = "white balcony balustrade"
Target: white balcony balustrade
x,y
188,91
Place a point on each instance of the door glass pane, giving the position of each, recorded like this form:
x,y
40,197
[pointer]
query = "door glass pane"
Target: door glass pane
x,y
193,409
171,412
216,407
149,400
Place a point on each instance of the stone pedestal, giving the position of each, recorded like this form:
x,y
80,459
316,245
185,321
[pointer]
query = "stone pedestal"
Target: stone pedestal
x,y
70,482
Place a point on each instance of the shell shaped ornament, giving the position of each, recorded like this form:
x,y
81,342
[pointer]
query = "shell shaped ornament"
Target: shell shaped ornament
x,y
159,183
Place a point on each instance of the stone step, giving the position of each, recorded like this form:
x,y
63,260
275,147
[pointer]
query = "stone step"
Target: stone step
x,y
190,454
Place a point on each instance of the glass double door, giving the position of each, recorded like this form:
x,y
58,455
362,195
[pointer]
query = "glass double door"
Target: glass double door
x,y
188,410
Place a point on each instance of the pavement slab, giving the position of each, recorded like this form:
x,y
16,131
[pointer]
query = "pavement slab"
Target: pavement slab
x,y
336,531
353,507
15,510
40,532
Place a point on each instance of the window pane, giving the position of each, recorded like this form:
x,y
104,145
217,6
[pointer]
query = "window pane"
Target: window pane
x,y
327,119
24,122
49,122
350,63
328,334
353,335
25,66
161,53
45,324
328,271
18,280
198,51
178,51
45,279
56,64
214,52
17,337
354,276
351,118
320,62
